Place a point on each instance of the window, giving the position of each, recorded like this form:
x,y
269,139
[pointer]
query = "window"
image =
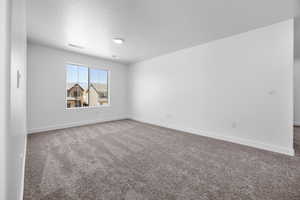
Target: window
x,y
86,87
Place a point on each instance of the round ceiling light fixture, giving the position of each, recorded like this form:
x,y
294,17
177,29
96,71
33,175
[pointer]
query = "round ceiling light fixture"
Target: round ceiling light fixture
x,y
118,40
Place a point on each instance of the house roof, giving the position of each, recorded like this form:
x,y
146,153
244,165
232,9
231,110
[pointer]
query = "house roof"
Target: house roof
x,y
99,87
72,85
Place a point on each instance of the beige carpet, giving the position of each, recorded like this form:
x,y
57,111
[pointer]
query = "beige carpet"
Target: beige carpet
x,y
127,160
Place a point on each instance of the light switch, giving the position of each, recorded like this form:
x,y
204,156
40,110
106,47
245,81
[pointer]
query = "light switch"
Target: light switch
x,y
18,78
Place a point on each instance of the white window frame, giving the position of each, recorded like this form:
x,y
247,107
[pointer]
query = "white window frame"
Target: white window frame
x,y
89,67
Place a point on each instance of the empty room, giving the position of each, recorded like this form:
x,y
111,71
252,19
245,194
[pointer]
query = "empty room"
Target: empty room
x,y
150,100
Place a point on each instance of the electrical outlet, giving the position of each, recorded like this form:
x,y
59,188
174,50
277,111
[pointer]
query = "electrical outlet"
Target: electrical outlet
x,y
234,125
168,116
272,92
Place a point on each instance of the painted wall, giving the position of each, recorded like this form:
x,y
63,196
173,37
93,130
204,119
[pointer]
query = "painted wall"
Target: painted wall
x,y
18,130
297,91
238,89
47,90
297,73
4,88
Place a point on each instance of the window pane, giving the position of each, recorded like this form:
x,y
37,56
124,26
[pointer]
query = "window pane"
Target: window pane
x,y
77,86
98,92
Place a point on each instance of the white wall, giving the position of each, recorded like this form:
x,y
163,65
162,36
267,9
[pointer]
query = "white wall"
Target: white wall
x,y
297,91
239,89
47,89
297,73
4,88
18,121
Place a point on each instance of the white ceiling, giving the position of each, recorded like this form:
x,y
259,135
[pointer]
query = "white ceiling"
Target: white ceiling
x,y
150,27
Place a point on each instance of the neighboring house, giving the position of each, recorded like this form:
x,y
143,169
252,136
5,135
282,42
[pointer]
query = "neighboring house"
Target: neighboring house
x,y
98,94
76,96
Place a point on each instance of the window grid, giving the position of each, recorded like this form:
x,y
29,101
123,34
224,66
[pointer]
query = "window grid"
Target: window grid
x,y
89,84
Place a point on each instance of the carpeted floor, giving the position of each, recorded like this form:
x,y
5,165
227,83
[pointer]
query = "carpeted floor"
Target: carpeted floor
x,y
128,160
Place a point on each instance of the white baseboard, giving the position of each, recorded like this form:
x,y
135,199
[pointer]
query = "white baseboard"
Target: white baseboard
x,y
241,141
72,124
23,169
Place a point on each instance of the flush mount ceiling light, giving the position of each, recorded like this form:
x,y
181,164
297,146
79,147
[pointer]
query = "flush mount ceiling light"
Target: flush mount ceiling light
x,y
75,46
118,40
115,57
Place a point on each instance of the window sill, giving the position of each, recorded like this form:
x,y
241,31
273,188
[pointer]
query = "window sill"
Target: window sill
x,y
89,107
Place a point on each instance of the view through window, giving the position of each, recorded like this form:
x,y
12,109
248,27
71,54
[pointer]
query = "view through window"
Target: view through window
x,y
86,87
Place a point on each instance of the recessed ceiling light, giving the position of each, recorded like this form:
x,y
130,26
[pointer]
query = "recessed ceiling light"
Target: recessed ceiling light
x,y
115,57
75,46
118,40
